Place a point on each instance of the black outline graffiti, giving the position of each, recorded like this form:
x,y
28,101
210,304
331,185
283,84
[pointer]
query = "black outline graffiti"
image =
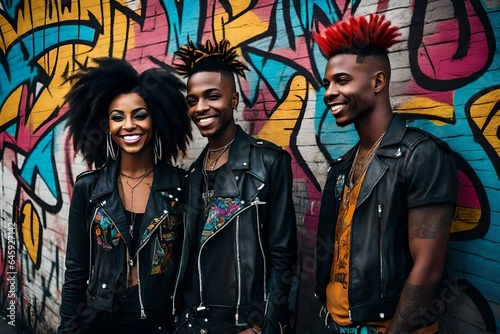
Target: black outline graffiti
x,y
416,36
483,223
477,132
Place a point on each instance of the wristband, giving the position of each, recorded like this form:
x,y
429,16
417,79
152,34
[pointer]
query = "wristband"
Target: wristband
x,y
255,330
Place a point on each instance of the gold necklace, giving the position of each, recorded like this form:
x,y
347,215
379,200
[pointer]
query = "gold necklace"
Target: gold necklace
x,y
363,163
363,166
351,184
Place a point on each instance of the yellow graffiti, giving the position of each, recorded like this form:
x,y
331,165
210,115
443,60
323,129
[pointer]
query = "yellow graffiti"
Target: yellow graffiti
x,y
9,111
31,228
426,106
244,27
488,124
465,219
280,126
116,36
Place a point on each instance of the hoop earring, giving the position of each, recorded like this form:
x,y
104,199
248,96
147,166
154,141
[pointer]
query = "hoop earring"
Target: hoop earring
x,y
157,148
110,149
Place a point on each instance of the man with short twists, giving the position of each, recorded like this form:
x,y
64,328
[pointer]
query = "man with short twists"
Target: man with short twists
x,y
239,250
387,203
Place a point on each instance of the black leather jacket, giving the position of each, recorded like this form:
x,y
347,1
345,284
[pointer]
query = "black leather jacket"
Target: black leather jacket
x,y
97,252
411,168
250,260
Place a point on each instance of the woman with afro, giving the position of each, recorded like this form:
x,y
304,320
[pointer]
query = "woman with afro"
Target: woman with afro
x,y
125,219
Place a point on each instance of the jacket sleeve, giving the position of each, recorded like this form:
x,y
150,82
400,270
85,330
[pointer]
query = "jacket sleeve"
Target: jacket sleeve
x,y
430,174
77,262
281,243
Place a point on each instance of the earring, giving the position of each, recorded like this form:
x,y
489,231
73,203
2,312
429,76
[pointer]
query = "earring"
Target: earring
x,y
110,149
157,148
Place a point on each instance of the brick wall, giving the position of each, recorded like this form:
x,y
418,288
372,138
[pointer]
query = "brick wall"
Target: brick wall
x,y
445,79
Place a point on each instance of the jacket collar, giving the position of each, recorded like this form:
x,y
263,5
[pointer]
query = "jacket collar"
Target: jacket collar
x,y
393,135
395,131
388,147
107,176
239,152
238,160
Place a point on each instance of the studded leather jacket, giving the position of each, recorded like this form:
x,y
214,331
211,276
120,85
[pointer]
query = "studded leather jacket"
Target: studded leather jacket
x,y
411,168
98,246
246,265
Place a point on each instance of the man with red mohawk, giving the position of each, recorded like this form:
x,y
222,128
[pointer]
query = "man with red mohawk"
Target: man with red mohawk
x,y
387,203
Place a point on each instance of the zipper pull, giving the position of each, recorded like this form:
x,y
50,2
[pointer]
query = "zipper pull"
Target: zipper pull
x,y
379,210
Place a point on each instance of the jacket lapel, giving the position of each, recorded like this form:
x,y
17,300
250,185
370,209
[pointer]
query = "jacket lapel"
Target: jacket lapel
x,y
389,147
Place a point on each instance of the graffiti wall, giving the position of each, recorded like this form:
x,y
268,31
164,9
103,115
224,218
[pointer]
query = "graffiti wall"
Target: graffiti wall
x,y
446,80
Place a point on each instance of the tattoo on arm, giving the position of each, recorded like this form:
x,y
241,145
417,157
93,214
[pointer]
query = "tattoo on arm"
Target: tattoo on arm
x,y
427,225
411,309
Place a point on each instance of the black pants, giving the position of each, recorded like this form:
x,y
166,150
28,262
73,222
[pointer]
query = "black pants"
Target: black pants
x,y
125,323
188,324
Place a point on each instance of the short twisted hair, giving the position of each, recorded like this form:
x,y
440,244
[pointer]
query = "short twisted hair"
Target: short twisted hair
x,y
211,57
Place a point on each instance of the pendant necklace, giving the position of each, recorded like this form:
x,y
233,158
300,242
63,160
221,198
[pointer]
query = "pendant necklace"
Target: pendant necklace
x,y
132,188
361,166
213,162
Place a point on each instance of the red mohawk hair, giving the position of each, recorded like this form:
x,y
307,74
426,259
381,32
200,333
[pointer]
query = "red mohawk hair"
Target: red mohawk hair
x,y
356,33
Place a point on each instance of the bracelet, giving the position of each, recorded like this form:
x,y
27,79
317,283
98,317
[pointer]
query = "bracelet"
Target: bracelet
x,y
254,330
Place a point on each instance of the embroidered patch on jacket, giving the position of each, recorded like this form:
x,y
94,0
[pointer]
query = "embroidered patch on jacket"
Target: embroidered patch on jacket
x,y
162,258
168,229
220,212
163,248
107,235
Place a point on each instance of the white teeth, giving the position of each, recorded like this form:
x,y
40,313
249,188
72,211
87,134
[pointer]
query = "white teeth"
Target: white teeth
x,y
206,120
337,107
132,137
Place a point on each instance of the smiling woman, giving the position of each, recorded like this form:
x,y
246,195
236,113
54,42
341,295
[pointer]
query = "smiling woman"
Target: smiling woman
x,y
125,214
131,125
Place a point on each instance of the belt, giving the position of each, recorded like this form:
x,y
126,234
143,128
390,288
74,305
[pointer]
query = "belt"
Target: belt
x,y
338,329
201,321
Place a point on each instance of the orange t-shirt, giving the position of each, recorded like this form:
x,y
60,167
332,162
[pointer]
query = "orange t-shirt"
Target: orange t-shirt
x,y
337,300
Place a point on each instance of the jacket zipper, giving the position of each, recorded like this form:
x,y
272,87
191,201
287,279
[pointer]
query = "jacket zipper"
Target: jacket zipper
x,y
91,267
162,218
255,202
238,264
121,235
262,250
179,271
381,251
143,313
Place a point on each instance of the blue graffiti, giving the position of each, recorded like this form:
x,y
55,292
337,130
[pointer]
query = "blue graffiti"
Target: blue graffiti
x,y
22,54
184,20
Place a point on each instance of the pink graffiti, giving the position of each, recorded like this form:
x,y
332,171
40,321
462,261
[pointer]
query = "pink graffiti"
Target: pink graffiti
x,y
467,195
436,59
150,39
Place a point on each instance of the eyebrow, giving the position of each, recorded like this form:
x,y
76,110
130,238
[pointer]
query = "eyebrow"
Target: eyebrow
x,y
133,111
205,92
337,75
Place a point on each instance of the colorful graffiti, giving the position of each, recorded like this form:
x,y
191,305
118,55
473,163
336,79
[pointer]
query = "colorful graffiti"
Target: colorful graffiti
x,y
445,80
